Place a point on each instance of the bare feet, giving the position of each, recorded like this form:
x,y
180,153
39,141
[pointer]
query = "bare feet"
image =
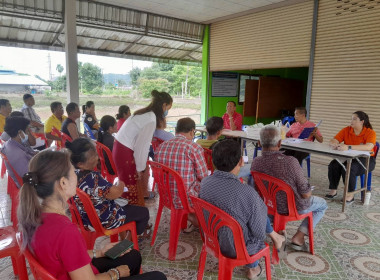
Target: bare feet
x,y
278,239
253,273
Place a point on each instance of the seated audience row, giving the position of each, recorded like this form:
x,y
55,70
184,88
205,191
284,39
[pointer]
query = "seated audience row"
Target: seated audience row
x,y
55,241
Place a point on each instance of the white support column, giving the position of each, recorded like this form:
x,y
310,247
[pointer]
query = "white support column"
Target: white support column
x,y
71,52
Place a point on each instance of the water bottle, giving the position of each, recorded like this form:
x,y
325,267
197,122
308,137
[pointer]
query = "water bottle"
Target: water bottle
x,y
367,198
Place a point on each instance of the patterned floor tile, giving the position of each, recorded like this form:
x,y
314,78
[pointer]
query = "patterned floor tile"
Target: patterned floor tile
x,y
347,245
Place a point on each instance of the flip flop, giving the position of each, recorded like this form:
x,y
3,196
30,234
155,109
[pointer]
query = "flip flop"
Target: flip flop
x,y
146,234
298,247
190,228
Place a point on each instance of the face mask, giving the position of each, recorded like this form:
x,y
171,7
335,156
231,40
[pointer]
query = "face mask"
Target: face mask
x,y
24,139
166,113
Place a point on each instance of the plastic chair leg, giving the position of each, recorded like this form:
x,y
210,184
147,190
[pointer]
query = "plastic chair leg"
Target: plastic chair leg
x,y
225,270
202,263
184,221
158,218
267,266
311,235
21,267
175,227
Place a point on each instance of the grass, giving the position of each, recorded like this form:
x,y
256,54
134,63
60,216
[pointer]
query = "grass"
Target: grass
x,y
106,104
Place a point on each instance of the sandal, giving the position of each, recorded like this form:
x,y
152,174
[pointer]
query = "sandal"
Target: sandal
x,y
151,195
146,234
298,247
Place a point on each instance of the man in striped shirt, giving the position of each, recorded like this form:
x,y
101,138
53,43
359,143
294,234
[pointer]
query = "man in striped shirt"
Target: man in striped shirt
x,y
29,113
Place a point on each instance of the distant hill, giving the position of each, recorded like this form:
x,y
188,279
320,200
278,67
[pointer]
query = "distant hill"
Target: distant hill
x,y
113,78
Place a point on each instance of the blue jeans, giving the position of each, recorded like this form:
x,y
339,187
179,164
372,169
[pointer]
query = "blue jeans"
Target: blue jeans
x,y
245,171
318,206
268,229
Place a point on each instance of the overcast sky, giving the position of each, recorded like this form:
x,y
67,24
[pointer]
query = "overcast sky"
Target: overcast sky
x,y
35,62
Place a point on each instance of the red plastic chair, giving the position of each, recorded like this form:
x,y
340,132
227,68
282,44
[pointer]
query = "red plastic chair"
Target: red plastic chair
x,y
210,226
13,190
43,137
3,168
269,196
56,132
208,158
65,137
103,151
39,272
9,248
164,176
155,143
97,225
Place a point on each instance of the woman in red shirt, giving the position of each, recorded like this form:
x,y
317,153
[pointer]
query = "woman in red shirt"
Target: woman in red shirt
x,y
123,115
55,241
358,136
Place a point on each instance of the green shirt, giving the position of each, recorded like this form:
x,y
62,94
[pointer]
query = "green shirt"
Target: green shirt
x,y
206,143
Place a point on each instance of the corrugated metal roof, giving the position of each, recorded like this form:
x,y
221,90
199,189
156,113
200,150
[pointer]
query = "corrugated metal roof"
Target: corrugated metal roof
x,y
21,80
101,29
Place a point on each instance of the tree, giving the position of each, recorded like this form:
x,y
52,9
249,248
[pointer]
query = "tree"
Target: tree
x,y
135,75
60,69
121,83
90,77
146,86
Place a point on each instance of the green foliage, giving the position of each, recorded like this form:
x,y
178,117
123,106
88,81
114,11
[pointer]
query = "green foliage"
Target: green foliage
x,y
116,92
175,75
59,84
146,86
59,68
90,77
135,75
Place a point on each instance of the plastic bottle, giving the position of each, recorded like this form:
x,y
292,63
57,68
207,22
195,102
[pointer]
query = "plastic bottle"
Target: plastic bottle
x,y
367,198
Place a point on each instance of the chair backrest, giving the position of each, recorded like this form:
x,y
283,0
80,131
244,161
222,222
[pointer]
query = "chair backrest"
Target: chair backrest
x,y
376,149
43,137
208,158
39,272
66,137
268,188
90,210
156,142
103,152
211,220
88,131
168,182
56,132
9,166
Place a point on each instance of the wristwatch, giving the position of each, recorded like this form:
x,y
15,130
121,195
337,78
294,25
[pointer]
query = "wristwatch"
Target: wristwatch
x,y
349,147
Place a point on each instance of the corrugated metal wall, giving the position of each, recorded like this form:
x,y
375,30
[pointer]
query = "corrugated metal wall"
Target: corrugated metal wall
x,y
276,38
346,74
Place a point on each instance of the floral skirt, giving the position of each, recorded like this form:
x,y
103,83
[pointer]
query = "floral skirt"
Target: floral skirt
x,y
126,170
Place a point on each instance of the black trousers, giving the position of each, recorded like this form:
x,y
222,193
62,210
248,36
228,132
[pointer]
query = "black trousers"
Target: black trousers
x,y
133,260
300,156
336,171
139,214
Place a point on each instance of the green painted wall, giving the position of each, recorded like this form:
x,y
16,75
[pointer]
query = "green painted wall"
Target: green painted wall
x,y
205,67
217,105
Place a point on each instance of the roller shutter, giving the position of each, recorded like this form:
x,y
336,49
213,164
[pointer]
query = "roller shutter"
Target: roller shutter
x,y
274,38
346,75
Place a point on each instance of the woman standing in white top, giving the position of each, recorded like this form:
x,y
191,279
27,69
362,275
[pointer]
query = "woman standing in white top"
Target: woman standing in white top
x,y
131,146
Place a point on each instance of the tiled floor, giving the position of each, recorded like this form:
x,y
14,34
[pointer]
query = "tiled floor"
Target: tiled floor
x,y
347,245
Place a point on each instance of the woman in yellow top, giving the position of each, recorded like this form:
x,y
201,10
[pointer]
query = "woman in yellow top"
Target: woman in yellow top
x,y
358,136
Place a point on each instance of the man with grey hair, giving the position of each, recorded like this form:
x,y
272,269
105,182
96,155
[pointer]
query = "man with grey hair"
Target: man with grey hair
x,y
286,168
